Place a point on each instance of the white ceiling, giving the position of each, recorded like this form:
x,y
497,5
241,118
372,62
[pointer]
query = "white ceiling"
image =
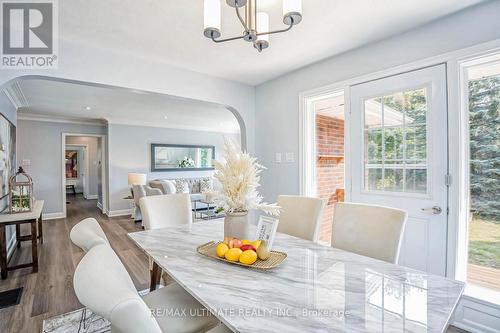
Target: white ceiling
x,y
45,99
171,31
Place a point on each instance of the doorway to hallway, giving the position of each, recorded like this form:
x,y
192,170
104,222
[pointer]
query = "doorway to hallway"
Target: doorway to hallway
x,y
83,169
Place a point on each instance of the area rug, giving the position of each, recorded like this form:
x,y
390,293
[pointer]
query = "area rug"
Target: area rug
x,y
71,322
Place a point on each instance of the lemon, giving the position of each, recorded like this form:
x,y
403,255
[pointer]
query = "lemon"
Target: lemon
x,y
221,250
245,242
248,257
256,243
233,254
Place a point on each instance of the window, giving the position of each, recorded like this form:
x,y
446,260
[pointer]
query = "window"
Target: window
x,y
483,86
396,142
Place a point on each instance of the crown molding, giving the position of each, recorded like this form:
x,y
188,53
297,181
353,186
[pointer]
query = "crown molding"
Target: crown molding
x,y
16,96
176,127
56,119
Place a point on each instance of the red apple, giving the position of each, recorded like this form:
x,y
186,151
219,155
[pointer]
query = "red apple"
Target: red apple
x,y
248,247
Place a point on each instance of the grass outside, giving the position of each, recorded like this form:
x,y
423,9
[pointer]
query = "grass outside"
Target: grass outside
x,y
484,243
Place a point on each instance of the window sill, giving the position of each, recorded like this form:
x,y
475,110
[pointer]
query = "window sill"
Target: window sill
x,y
488,296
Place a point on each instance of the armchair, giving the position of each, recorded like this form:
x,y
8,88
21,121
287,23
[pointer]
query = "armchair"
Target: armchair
x,y
140,191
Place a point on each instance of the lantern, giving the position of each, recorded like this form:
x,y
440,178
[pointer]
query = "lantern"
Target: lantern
x,y
20,192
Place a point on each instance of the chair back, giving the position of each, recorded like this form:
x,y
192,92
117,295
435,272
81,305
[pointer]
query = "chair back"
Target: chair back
x,y
102,284
88,233
300,216
369,230
161,211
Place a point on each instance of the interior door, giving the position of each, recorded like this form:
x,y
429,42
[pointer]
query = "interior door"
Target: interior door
x,y
399,158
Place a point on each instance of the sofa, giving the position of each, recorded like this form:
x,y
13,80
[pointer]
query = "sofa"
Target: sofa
x,y
198,188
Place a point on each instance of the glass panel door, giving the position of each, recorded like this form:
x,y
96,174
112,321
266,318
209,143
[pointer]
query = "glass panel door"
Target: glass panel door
x,y
398,139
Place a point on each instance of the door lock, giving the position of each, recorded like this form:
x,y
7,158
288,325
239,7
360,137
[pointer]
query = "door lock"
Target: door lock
x,y
433,210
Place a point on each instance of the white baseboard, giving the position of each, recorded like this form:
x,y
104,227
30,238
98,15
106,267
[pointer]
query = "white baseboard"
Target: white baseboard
x,y
53,216
91,197
99,205
121,212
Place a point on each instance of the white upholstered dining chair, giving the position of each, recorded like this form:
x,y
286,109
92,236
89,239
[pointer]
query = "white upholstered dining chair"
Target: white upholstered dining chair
x,y
103,285
161,211
88,233
300,216
369,230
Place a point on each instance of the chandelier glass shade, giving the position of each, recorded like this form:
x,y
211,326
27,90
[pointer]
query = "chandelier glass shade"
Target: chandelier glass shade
x,y
255,24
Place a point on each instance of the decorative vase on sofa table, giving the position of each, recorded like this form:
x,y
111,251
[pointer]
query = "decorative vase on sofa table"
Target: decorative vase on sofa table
x,y
236,225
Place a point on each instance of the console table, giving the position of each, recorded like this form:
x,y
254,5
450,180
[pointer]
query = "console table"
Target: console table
x,y
34,217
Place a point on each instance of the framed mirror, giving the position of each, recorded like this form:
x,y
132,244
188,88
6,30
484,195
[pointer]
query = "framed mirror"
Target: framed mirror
x,y
171,157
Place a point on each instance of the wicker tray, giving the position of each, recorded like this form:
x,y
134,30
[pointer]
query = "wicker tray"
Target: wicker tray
x,y
274,260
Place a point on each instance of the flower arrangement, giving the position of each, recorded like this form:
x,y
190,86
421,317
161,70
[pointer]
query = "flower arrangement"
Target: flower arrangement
x,y
239,179
186,162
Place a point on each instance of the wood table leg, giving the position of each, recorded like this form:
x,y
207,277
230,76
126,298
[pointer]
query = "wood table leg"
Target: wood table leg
x,y
40,229
3,252
155,276
34,246
18,235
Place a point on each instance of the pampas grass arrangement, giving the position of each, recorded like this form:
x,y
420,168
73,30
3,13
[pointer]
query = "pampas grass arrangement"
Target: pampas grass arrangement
x,y
238,177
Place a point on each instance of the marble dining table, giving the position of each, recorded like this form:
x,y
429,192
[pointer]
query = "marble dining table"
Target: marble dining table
x,y
316,289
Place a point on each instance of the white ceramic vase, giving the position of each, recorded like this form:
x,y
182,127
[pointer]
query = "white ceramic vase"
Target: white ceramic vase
x,y
236,225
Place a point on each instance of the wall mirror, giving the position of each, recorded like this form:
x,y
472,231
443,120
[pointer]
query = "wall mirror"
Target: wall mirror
x,y
172,157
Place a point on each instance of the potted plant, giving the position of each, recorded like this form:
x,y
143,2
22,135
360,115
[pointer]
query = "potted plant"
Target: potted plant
x,y
238,178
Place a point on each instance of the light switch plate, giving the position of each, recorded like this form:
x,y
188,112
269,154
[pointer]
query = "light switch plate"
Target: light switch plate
x,y
290,157
277,159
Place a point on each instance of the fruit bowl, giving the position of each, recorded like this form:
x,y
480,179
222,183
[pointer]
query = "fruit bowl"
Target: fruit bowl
x,y
275,258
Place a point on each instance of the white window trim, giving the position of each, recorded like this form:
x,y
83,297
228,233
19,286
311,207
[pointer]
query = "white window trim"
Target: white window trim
x,y
462,237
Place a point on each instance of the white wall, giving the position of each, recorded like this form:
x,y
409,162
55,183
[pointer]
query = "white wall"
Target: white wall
x,y
41,143
130,151
98,64
91,179
277,101
9,112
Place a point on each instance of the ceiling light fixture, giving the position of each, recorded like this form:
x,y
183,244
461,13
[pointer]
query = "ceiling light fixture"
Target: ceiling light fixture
x,y
255,24
88,108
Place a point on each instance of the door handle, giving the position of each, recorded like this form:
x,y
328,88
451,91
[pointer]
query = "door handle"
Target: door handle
x,y
433,210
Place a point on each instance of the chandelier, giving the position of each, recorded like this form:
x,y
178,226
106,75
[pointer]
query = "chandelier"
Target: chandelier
x,y
255,24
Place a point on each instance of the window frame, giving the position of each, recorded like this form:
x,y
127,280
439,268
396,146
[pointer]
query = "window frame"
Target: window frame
x,y
428,92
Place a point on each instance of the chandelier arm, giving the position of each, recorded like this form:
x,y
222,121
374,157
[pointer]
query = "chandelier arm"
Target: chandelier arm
x,y
242,21
226,40
276,31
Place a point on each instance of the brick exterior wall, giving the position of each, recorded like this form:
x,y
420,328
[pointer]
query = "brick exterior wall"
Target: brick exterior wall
x,y
330,171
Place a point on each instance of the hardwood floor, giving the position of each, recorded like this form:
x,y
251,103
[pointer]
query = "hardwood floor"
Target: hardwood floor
x,y
50,291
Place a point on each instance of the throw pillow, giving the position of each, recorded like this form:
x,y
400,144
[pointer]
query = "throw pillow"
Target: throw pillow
x,y
181,186
169,187
206,185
